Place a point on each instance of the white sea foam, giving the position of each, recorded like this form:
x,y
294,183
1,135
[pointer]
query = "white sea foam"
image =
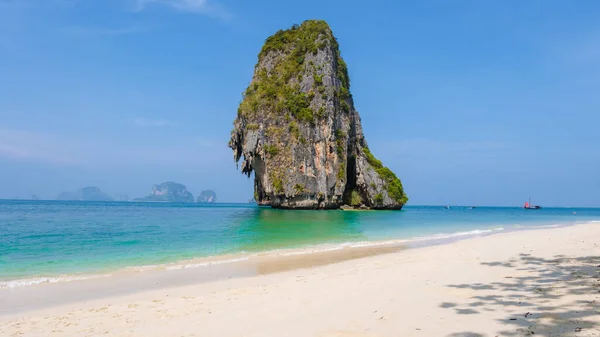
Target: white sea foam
x,y
144,268
547,226
376,243
42,280
204,264
210,261
457,234
312,250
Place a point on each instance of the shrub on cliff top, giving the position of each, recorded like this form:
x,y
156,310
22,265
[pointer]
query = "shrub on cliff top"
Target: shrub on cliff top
x,y
274,91
303,36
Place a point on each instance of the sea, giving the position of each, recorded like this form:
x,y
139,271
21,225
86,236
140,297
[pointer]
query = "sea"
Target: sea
x,y
54,241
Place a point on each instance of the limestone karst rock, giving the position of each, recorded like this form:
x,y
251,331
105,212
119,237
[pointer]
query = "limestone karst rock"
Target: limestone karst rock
x,y
298,131
89,193
168,192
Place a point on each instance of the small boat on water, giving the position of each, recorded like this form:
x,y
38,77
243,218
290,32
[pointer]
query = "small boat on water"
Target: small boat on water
x,y
529,205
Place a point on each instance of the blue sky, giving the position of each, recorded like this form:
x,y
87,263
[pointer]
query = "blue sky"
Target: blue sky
x,y
469,102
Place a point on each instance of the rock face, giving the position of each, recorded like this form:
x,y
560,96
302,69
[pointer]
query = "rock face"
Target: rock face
x,y
85,194
169,192
207,196
298,131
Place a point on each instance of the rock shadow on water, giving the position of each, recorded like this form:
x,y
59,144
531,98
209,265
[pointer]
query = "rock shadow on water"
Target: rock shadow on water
x,y
266,229
286,240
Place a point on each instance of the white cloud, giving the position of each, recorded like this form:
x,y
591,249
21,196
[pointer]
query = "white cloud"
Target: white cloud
x,y
152,123
191,6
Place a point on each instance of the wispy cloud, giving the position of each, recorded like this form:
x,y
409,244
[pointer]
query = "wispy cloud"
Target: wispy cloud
x,y
573,48
13,151
587,50
206,7
92,153
37,146
152,123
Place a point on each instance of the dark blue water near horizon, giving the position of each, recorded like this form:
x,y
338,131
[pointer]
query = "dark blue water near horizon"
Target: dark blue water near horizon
x,y
51,238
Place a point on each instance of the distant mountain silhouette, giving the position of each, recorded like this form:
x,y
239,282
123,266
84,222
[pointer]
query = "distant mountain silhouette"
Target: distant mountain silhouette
x,y
85,194
168,192
207,196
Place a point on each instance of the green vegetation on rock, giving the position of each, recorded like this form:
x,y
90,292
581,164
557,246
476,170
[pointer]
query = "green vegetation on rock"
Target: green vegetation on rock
x,y
299,188
294,130
278,185
277,91
341,172
304,39
298,131
271,150
355,199
393,184
378,198
339,142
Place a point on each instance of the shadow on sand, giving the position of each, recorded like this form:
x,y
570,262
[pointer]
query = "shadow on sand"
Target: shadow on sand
x,y
537,304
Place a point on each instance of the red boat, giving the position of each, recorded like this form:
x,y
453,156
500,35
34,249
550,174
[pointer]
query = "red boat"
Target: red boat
x,y
528,205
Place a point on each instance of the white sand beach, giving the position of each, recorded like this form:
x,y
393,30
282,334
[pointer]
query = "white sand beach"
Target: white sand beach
x,y
544,282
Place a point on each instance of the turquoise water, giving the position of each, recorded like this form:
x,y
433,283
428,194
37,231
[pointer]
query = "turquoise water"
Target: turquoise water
x,y
50,238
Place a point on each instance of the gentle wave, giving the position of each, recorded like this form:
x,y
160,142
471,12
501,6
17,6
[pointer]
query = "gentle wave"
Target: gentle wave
x,y
204,264
214,260
457,234
42,280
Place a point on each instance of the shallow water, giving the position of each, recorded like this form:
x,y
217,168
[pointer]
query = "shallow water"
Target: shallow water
x,y
41,241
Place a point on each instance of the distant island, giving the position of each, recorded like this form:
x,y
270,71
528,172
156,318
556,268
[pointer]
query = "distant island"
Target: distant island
x,y
89,193
168,192
207,196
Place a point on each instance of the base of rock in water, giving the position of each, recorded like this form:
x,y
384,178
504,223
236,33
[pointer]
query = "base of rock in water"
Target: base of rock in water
x,y
297,129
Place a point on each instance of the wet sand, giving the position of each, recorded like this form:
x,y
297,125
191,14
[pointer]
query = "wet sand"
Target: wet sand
x,y
543,282
197,271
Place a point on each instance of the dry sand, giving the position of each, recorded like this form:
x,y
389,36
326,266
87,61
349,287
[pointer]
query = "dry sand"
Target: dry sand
x,y
543,282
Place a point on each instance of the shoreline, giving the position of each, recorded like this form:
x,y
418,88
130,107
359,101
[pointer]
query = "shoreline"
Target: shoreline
x,y
46,292
545,281
240,257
